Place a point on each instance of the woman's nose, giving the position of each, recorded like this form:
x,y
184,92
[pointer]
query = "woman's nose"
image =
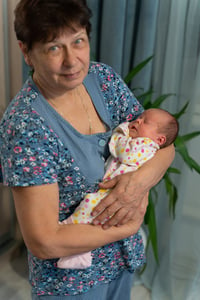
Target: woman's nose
x,y
69,57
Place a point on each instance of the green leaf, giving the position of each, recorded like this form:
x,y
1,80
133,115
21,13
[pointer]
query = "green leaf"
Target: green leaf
x,y
134,90
172,193
146,99
190,136
144,95
192,164
154,196
151,223
160,100
137,69
182,150
173,170
182,111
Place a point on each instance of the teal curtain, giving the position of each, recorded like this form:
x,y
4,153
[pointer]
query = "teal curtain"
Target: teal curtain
x,y
122,29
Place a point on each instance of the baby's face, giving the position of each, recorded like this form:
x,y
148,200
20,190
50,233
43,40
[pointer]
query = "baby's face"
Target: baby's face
x,y
146,125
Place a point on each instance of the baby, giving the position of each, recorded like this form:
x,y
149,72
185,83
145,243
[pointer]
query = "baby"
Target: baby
x,y
131,145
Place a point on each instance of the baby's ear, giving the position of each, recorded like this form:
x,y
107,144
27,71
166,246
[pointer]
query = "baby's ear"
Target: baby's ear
x,y
161,139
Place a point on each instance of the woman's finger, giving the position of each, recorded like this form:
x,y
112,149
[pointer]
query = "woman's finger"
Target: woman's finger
x,y
115,219
108,210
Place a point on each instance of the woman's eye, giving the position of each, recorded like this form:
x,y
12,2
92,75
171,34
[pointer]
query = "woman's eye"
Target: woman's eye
x,y
78,41
53,48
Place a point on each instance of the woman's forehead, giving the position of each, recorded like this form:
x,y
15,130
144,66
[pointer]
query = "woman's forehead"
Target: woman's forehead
x,y
71,30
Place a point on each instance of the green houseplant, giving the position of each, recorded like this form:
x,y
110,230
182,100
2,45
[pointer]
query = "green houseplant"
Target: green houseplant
x,y
180,146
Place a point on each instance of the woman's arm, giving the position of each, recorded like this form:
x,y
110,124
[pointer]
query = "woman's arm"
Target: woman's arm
x,y
37,212
129,189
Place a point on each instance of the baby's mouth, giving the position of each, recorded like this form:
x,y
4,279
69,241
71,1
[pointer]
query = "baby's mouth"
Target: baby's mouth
x,y
132,127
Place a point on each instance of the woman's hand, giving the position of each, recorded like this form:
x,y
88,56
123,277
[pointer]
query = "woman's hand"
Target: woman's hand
x,y
127,198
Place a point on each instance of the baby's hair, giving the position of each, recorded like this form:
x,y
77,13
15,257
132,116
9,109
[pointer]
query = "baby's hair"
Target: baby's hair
x,y
170,129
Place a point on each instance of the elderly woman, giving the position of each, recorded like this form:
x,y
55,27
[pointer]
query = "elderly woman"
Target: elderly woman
x,y
53,144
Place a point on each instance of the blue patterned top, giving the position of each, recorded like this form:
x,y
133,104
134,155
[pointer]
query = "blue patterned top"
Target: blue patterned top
x,y
34,151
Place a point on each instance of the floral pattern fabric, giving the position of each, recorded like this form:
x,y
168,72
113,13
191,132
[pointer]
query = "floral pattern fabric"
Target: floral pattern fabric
x,y
32,153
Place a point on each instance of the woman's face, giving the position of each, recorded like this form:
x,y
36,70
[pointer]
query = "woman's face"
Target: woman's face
x,y
62,64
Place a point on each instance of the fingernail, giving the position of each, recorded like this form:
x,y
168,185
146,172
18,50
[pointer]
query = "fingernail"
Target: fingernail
x,y
93,213
105,227
95,222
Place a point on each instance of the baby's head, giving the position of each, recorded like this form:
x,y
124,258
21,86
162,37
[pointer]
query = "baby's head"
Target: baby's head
x,y
157,124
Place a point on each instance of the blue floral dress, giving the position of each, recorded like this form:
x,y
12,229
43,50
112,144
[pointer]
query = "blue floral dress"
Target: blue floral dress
x,y
34,150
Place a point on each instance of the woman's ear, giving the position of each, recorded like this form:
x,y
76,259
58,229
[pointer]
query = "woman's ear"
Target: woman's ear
x,y
25,53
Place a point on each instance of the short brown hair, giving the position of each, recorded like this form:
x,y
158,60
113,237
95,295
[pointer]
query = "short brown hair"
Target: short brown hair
x,y
43,20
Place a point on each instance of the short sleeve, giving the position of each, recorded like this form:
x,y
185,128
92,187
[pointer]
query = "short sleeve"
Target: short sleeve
x,y
29,153
120,101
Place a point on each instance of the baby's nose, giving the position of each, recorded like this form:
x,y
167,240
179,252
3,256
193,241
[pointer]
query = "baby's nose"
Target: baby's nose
x,y
138,120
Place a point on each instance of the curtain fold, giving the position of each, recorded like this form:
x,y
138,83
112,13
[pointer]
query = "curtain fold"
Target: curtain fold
x,y
3,59
10,57
10,82
110,25
145,42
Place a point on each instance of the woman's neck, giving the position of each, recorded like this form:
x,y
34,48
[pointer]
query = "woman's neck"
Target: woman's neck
x,y
53,95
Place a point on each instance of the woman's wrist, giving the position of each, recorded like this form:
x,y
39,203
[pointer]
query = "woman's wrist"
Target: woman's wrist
x,y
150,173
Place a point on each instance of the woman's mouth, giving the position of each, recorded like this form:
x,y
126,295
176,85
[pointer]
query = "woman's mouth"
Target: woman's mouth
x,y
71,76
